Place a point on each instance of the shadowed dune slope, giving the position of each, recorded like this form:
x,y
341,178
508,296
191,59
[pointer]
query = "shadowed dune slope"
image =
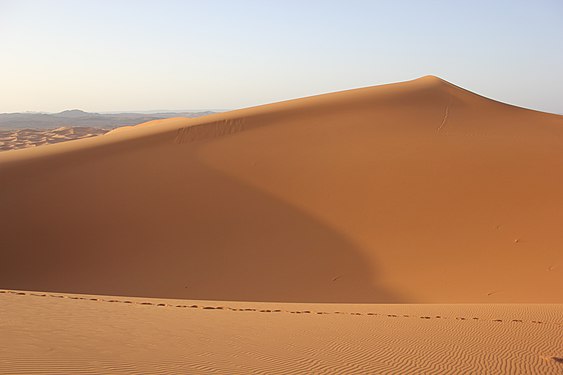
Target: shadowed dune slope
x,y
411,192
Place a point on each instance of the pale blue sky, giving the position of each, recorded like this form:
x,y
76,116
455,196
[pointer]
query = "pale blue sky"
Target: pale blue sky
x,y
144,55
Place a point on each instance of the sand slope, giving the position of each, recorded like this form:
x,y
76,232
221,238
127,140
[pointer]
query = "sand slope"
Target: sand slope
x,y
112,335
411,192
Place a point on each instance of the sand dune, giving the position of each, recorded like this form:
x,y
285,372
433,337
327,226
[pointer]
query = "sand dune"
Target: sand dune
x,y
45,334
415,192
268,225
24,138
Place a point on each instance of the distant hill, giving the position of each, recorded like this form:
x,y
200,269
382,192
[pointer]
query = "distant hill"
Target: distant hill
x,y
74,113
78,118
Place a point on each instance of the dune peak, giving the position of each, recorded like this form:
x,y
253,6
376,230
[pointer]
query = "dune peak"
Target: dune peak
x,y
432,80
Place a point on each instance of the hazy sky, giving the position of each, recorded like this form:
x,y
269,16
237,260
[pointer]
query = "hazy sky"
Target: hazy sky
x,y
145,55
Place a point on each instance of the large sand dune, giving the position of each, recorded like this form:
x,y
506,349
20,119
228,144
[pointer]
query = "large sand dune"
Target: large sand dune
x,y
412,192
408,193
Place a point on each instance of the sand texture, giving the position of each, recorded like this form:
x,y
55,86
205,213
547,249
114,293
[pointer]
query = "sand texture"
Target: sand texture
x,y
405,228
112,335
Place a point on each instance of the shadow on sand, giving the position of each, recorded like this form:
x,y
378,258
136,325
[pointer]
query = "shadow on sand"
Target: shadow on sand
x,y
148,219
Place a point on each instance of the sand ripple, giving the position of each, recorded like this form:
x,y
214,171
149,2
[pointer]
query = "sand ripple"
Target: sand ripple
x,y
51,333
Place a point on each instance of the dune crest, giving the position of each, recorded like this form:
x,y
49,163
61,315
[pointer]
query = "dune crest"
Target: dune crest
x,y
418,191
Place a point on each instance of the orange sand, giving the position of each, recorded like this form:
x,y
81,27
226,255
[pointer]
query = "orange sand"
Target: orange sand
x,y
415,192
115,335
412,192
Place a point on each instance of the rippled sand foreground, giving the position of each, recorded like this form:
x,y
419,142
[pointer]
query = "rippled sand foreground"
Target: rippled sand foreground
x,y
52,333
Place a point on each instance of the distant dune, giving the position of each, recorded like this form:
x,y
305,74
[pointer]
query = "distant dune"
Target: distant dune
x,y
415,192
25,138
24,130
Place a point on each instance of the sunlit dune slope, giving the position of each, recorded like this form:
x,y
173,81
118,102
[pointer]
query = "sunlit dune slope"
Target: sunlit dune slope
x,y
411,192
